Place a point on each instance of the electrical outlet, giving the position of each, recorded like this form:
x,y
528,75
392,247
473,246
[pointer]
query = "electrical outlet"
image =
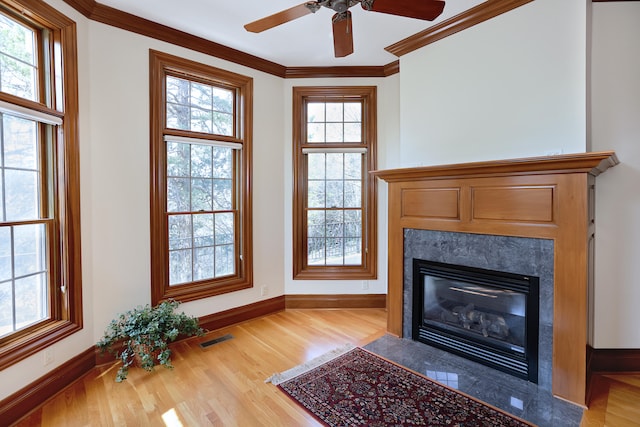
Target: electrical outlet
x,y
264,290
47,357
365,285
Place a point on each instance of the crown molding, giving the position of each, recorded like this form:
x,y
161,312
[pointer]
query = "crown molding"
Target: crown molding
x,y
126,21
467,19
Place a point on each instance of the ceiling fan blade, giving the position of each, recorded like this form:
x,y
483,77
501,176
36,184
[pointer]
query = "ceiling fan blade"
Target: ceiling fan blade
x,y
342,34
420,9
279,18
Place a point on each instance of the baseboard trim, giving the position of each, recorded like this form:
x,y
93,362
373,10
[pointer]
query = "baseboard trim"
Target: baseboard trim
x,y
336,301
22,402
241,314
613,360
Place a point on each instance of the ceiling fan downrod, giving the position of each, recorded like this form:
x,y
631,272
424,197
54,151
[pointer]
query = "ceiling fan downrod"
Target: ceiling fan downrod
x,y
340,6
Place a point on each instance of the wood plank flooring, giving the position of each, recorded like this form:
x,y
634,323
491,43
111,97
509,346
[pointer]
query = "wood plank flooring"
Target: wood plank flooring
x,y
223,385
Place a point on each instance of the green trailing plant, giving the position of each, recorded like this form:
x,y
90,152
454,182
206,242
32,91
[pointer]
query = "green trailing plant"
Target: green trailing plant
x,y
141,336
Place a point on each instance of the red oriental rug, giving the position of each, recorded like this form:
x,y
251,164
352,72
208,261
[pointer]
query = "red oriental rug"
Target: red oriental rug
x,y
353,387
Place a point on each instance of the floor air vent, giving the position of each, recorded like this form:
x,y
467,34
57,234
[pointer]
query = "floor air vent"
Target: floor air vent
x,y
216,341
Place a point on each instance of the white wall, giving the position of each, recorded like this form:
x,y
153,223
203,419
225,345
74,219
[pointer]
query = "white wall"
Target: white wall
x,y
514,86
615,126
388,155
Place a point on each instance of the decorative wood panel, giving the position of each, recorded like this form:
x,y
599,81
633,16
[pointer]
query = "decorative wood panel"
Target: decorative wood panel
x,y
534,204
543,197
431,203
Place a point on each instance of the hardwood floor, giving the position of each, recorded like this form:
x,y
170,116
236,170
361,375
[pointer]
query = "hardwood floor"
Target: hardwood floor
x,y
223,385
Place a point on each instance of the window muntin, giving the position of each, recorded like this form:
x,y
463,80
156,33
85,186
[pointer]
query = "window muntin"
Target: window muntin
x,y
201,212
201,218
334,138
334,208
24,273
40,267
334,122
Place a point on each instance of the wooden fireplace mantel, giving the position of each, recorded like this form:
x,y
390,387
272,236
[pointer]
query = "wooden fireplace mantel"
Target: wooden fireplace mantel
x,y
540,197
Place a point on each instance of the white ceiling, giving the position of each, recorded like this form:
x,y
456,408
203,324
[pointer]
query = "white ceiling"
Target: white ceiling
x,y
306,41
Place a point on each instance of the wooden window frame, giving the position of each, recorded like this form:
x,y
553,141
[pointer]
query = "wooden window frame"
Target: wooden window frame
x,y
301,269
65,311
161,65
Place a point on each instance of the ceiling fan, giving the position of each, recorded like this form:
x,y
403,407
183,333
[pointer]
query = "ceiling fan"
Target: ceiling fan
x,y
342,31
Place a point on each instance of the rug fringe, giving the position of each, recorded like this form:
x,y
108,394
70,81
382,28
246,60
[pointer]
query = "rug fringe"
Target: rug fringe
x,y
276,379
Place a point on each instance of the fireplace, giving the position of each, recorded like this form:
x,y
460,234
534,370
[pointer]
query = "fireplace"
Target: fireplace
x,y
484,315
546,199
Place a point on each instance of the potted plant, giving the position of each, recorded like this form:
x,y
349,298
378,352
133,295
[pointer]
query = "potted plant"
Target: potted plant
x,y
141,336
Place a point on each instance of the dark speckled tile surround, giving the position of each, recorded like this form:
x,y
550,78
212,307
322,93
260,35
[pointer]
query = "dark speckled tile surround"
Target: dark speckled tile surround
x,y
525,256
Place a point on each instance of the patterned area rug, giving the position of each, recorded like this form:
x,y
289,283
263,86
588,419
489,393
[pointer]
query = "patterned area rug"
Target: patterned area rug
x,y
353,387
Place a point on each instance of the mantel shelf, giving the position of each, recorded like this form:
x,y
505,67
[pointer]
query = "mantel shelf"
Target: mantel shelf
x,y
593,163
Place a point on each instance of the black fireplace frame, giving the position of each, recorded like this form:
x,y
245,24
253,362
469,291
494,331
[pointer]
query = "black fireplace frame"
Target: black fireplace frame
x,y
513,362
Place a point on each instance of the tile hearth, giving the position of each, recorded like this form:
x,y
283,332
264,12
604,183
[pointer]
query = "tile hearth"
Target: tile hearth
x,y
513,395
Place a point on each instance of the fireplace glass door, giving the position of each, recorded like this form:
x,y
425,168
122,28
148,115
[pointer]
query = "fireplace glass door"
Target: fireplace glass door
x,y
484,315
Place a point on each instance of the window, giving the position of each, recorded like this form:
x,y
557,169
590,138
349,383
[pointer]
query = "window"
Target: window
x,y
334,221
40,270
200,163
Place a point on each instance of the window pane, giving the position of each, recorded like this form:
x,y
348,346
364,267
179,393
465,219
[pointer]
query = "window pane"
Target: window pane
x,y
21,192
178,116
353,251
178,194
224,228
222,195
180,268
316,194
352,132
5,254
222,100
203,231
29,249
353,112
315,112
180,232
335,132
316,168
18,60
6,308
201,194
225,260
352,194
315,132
201,95
335,223
335,194
316,223
335,251
353,166
178,157
201,160
202,121
203,266
19,142
353,223
335,164
335,112
222,162
316,251
30,300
